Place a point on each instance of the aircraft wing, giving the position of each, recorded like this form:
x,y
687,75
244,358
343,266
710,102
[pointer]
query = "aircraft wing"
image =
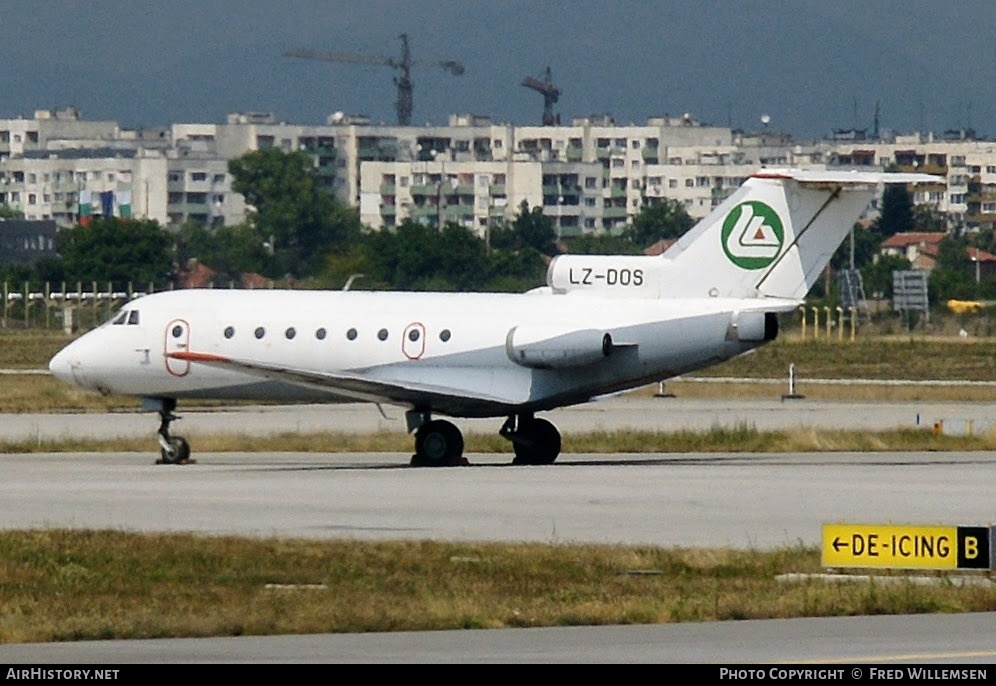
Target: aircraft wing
x,y
360,387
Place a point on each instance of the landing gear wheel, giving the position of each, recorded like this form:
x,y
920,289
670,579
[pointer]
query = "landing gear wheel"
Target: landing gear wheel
x,y
438,443
178,453
172,449
536,442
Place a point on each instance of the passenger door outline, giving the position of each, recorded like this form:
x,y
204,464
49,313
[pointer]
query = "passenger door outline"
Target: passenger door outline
x,y
413,350
174,343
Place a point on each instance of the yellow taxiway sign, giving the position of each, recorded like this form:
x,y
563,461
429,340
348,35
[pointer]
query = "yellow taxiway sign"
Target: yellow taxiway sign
x,y
907,547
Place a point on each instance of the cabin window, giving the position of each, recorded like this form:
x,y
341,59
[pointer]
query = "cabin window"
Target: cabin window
x,y
177,331
413,335
229,332
133,318
351,334
120,318
259,332
290,333
320,334
382,334
444,335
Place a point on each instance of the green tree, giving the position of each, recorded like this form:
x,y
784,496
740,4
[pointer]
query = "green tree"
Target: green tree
x,y
657,221
418,257
866,247
897,211
464,258
116,250
289,209
602,244
530,229
515,271
229,250
877,277
953,277
929,218
7,212
985,239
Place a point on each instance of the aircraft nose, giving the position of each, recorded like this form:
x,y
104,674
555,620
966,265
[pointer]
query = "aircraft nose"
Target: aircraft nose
x,y
61,366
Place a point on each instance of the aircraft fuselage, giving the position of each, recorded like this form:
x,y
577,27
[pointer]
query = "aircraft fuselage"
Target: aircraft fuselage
x,y
462,344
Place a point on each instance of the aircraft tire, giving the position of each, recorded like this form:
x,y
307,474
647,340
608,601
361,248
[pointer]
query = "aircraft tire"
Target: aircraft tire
x,y
179,451
438,444
540,443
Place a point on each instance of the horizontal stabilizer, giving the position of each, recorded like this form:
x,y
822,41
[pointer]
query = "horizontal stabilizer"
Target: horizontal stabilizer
x,y
808,176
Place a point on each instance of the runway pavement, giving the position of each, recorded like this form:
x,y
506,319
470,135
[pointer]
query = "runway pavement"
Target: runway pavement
x,y
737,500
849,647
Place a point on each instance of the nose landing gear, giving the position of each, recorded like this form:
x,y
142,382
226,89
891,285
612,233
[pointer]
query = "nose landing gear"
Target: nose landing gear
x,y
172,449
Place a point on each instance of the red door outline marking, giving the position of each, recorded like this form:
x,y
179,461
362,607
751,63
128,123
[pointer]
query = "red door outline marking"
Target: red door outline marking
x,y
413,350
177,344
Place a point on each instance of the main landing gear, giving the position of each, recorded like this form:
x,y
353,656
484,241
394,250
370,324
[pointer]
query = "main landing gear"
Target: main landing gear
x,y
438,443
172,449
535,441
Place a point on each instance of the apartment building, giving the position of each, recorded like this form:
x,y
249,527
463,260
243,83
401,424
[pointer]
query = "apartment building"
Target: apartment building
x,y
592,175
967,193
69,184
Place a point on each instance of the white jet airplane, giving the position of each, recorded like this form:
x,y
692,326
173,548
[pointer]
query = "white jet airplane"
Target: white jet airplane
x,y
602,324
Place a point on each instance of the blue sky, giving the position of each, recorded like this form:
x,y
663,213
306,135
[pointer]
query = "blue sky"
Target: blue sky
x,y
810,66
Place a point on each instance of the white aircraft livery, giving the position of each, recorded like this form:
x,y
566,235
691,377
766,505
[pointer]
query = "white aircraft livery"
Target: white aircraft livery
x,y
602,324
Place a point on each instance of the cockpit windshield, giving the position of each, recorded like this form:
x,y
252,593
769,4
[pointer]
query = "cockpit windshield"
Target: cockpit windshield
x,y
129,317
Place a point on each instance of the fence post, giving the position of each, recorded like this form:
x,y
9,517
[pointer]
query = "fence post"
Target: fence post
x,y
792,395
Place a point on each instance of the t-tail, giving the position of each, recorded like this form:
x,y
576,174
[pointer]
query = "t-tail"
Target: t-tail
x,y
771,238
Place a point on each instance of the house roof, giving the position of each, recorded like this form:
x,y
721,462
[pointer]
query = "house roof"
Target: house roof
x,y
921,238
980,255
659,247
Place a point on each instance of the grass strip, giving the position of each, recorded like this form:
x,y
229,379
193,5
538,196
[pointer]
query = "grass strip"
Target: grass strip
x,y
59,585
740,438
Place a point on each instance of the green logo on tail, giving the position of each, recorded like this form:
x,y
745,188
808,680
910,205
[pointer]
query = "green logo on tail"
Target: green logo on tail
x,y
752,235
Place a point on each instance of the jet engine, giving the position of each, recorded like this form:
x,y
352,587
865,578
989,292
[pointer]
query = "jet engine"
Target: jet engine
x,y
549,347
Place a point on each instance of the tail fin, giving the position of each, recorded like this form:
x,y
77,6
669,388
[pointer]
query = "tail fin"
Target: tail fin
x,y
774,235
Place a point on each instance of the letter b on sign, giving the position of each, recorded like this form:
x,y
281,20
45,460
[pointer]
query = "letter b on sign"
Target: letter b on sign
x,y
973,547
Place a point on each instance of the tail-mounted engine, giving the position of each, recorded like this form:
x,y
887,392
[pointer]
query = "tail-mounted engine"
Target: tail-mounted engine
x,y
550,347
753,327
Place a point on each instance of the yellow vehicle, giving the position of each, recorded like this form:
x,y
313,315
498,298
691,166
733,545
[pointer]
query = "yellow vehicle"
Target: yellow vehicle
x,y
965,306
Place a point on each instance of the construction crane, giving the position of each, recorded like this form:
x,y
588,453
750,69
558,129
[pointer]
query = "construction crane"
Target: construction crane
x,y
404,66
550,95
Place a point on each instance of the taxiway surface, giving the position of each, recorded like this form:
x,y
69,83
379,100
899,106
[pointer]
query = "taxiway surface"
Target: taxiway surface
x,y
738,500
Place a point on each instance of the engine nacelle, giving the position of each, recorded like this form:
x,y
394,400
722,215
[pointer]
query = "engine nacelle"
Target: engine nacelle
x,y
552,347
753,326
625,275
